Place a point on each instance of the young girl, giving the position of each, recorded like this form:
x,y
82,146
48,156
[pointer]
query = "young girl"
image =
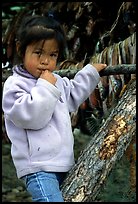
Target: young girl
x,y
36,104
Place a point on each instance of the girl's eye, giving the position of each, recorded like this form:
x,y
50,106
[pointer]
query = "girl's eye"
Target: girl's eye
x,y
38,52
54,55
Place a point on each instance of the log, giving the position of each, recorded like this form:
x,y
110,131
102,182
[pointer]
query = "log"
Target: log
x,y
107,146
109,70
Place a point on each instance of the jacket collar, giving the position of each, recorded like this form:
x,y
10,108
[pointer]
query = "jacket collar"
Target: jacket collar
x,y
19,69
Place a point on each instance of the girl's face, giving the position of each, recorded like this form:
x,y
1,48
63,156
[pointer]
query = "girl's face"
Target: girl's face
x,y
41,56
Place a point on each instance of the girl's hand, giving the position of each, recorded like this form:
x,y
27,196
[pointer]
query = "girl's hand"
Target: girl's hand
x,y
99,67
47,75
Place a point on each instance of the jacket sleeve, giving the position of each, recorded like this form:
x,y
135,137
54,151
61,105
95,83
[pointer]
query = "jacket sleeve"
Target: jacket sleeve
x,y
78,89
30,110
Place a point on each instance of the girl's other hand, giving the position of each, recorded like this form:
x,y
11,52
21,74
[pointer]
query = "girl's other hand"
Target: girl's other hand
x,y
99,67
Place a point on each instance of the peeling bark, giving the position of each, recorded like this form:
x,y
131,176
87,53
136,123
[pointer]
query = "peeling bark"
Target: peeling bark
x,y
96,161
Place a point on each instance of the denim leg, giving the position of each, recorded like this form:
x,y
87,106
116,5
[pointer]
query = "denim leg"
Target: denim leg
x,y
44,187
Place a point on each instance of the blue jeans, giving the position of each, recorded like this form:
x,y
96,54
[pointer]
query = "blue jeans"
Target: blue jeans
x,y
45,186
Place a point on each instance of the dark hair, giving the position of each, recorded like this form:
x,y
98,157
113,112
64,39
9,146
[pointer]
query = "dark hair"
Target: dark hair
x,y
35,28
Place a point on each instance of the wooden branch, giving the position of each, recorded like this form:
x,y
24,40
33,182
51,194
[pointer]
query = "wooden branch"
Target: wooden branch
x,y
119,69
96,161
109,70
70,73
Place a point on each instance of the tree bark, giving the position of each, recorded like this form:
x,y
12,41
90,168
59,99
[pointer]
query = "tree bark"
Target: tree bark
x,y
109,70
85,179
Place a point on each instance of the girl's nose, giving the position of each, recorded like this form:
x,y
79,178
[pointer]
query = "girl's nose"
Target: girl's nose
x,y
44,60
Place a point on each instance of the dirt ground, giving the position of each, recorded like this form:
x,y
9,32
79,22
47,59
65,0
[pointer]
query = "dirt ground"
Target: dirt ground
x,y
116,189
